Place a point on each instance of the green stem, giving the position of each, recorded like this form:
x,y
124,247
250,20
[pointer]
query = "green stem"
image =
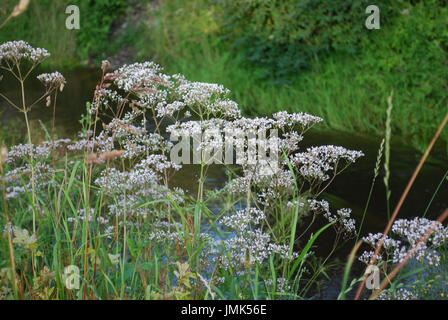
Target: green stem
x,y
435,193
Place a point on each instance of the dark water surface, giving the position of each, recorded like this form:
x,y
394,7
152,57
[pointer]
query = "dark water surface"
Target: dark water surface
x,y
350,189
71,104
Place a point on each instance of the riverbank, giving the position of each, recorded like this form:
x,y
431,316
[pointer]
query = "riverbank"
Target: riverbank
x,y
348,89
110,203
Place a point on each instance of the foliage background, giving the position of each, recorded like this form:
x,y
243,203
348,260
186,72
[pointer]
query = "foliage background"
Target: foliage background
x,y
299,55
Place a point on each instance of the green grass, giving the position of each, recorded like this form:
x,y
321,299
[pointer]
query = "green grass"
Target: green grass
x,y
348,91
42,25
334,92
101,33
408,55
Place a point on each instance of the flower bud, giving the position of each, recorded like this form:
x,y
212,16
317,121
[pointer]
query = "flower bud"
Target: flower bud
x,y
105,65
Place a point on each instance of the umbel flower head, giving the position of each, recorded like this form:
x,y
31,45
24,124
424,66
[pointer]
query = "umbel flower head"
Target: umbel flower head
x,y
409,232
13,51
52,80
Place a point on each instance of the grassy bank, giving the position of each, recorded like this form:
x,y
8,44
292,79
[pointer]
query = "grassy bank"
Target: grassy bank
x,y
408,55
42,24
101,217
105,27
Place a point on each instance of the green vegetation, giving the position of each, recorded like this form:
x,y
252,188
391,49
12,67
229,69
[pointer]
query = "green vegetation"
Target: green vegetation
x,y
107,206
345,87
315,57
108,201
43,24
285,37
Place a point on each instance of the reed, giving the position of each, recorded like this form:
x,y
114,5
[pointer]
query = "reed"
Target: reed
x,y
403,197
397,268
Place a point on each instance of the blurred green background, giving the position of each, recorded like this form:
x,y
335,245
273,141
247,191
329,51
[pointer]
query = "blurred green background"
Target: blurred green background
x,y
312,56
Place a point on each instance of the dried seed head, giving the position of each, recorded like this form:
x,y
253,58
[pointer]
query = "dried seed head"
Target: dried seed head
x,y
3,154
105,64
111,154
247,260
111,76
127,128
20,8
143,91
93,159
47,275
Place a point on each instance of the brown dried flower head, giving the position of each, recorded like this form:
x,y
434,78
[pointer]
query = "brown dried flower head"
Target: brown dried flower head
x,y
111,76
105,65
3,154
20,8
93,159
111,155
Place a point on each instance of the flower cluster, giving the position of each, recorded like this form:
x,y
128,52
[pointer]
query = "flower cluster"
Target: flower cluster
x,y
90,217
106,99
139,75
243,218
14,51
250,244
410,232
399,294
168,95
52,80
16,187
131,167
287,120
19,178
316,162
342,216
40,152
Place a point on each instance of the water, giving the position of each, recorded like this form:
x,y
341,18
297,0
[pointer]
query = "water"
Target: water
x,y
71,104
350,189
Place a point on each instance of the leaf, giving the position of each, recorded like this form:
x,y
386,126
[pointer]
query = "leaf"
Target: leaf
x,y
307,248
